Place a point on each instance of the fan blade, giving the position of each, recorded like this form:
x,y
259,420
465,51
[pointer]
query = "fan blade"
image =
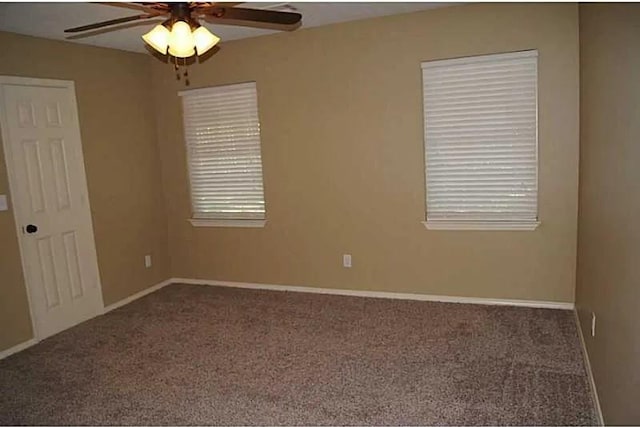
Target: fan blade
x,y
112,28
271,19
144,7
107,23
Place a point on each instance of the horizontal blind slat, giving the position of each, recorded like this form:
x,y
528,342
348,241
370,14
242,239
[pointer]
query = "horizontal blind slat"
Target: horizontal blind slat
x,y
495,96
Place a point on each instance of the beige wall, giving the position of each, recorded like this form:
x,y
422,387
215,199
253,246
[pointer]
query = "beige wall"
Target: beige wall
x,y
341,120
609,238
119,142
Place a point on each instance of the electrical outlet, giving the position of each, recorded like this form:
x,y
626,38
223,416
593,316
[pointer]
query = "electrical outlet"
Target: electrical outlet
x,y
346,260
593,324
147,261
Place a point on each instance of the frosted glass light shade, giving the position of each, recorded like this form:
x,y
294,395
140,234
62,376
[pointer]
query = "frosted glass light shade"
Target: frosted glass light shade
x,y
204,40
158,38
181,40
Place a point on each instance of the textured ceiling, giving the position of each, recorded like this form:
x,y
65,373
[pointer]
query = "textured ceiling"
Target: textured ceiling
x,y
49,20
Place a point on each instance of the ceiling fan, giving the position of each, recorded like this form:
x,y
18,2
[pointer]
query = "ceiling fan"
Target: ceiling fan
x,y
181,36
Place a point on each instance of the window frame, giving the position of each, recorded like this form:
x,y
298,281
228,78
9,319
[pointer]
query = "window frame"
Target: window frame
x,y
213,219
493,224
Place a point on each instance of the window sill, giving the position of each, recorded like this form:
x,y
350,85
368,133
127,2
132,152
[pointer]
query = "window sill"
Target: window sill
x,y
482,225
242,223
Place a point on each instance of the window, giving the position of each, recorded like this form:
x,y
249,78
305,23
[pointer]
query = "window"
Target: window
x,y
222,133
481,144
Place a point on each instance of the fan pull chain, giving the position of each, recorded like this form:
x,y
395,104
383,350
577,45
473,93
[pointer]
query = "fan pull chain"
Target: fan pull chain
x,y
186,73
179,73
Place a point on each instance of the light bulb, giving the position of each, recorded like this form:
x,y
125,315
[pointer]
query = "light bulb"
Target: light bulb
x,y
181,43
158,38
204,40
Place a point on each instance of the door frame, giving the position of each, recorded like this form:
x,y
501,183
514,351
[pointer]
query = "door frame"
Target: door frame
x,y
8,157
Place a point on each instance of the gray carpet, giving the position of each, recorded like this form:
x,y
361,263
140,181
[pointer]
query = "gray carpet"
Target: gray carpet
x,y
204,355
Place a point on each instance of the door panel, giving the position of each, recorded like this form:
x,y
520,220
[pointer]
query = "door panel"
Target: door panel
x,y
49,191
72,258
32,163
47,272
53,115
60,174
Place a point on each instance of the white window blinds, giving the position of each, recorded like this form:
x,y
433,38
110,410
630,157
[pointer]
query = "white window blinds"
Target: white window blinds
x,y
480,117
222,133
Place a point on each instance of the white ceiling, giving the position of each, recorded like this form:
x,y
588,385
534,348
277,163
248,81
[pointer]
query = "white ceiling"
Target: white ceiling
x,y
50,19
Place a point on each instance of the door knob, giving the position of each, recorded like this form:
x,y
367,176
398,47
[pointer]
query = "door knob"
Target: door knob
x,y
30,229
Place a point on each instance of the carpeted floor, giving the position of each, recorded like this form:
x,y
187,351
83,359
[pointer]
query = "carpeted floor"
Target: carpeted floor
x,y
205,355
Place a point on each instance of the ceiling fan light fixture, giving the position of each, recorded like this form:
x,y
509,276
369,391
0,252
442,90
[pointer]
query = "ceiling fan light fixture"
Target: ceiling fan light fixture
x,y
181,40
204,40
158,38
181,36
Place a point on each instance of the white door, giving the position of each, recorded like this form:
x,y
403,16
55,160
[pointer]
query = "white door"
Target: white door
x,y
43,151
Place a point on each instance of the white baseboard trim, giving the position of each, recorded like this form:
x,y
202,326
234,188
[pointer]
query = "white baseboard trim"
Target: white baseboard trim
x,y
16,348
376,294
587,363
135,296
